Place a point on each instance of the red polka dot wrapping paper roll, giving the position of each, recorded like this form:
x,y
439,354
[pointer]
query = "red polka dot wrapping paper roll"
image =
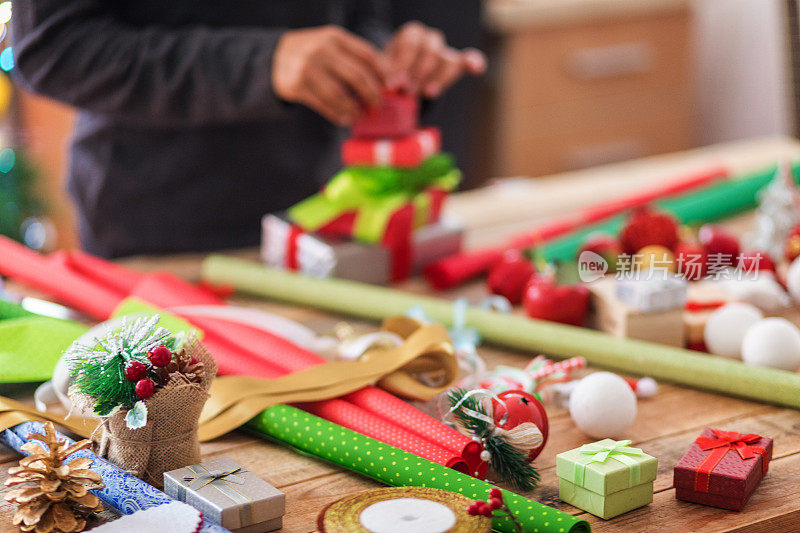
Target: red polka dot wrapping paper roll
x,y
395,410
353,417
393,466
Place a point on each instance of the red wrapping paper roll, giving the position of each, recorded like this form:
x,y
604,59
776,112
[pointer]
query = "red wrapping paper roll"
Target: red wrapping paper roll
x,y
353,417
393,409
56,279
451,271
111,275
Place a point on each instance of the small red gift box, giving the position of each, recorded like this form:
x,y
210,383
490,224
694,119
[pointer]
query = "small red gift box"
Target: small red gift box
x,y
397,117
405,152
722,468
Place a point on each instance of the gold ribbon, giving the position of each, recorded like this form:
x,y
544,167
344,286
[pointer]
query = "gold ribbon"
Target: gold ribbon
x,y
426,348
13,412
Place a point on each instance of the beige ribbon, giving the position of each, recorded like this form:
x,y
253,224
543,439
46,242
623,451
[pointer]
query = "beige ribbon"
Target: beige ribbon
x,y
426,348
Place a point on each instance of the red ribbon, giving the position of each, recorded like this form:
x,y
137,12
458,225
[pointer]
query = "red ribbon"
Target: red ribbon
x,y
720,444
292,261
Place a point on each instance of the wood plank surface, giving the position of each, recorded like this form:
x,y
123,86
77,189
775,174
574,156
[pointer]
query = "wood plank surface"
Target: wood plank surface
x,y
665,425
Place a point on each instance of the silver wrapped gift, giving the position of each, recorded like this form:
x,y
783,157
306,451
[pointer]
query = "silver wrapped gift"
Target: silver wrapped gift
x,y
228,495
324,257
648,295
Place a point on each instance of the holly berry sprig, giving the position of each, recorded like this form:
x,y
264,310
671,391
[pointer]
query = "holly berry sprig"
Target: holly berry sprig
x,y
495,507
117,371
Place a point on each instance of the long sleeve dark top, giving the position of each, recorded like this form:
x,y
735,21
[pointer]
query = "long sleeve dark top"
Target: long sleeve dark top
x,y
180,142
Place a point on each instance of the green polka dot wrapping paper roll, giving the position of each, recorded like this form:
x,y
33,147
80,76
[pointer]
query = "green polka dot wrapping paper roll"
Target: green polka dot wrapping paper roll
x,y
330,442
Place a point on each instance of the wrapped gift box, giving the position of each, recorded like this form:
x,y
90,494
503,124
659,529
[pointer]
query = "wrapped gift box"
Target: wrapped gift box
x,y
407,152
228,495
286,246
606,478
617,318
648,295
397,117
722,468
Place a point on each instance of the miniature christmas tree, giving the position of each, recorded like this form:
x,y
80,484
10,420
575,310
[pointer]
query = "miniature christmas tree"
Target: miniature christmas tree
x,y
778,212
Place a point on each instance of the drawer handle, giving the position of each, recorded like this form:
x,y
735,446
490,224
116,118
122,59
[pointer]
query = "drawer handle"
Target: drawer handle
x,y
611,61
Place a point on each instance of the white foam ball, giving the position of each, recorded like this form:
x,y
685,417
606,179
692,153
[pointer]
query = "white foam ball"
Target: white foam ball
x,y
773,342
793,279
603,405
646,388
726,327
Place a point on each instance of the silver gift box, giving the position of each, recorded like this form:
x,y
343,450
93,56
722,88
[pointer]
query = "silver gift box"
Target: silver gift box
x,y
326,257
648,295
228,495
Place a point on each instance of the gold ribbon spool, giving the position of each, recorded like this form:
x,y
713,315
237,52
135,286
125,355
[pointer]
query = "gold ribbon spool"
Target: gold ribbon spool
x,y
343,516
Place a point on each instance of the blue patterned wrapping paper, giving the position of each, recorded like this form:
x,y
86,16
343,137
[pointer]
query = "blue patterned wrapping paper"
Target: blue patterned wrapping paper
x,y
123,492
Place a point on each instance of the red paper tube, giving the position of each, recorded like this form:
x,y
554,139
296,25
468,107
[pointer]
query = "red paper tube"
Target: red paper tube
x,y
166,290
112,275
454,270
56,279
353,417
393,409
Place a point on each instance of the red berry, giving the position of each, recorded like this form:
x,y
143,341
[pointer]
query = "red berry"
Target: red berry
x,y
473,510
160,356
495,503
134,371
496,493
145,388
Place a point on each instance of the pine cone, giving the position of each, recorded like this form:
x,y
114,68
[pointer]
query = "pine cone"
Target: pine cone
x,y
59,501
189,367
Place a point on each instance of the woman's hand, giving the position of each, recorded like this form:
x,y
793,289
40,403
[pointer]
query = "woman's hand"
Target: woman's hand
x,y
329,70
421,61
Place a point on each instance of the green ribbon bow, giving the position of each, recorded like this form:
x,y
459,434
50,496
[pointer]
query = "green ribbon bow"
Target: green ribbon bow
x,y
375,193
222,481
600,453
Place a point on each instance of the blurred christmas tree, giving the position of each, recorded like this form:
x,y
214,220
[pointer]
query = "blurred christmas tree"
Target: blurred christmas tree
x,y
21,213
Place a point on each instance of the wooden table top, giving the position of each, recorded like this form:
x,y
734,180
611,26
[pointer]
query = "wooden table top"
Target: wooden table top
x,y
665,425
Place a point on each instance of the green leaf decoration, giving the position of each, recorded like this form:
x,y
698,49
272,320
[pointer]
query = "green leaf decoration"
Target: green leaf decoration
x,y
137,417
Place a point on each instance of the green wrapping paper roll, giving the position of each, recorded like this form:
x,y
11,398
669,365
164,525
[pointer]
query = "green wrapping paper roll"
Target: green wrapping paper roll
x,y
318,437
658,361
720,201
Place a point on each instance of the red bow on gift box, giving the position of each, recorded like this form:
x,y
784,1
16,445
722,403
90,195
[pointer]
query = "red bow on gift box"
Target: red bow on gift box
x,y
719,444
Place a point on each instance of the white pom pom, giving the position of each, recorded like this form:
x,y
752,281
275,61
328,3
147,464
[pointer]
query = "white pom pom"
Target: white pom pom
x,y
485,456
603,405
773,342
726,326
646,388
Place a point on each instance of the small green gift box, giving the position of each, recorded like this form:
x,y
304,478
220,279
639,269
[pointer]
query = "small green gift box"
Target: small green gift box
x,y
606,478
